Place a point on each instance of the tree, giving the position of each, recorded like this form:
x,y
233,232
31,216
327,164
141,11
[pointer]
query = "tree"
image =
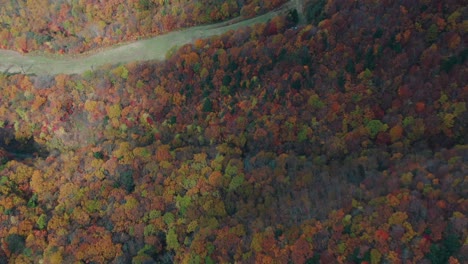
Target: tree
x,y
126,180
171,239
376,126
293,17
301,251
16,243
432,33
94,244
207,105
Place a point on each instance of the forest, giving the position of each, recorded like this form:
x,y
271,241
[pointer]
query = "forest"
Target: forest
x,y
340,140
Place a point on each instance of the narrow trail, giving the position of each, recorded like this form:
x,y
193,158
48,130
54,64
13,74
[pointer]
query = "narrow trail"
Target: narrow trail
x,y
143,50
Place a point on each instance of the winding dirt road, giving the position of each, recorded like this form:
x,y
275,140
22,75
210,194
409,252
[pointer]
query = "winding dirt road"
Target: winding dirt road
x,y
143,50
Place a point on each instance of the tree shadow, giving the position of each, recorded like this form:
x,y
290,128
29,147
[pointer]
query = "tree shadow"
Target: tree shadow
x,y
20,149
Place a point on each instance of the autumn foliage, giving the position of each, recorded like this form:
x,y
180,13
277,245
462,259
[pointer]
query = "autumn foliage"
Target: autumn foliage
x,y
342,141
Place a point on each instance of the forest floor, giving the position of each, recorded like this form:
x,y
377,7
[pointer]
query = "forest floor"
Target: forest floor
x,y
154,48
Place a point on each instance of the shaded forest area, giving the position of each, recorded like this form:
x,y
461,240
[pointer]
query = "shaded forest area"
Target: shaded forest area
x,y
340,141
77,26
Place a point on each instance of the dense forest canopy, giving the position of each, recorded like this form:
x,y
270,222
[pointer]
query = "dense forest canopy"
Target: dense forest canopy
x,y
342,140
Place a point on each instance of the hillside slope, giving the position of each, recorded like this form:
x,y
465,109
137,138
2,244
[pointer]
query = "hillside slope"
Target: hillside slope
x,y
342,141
